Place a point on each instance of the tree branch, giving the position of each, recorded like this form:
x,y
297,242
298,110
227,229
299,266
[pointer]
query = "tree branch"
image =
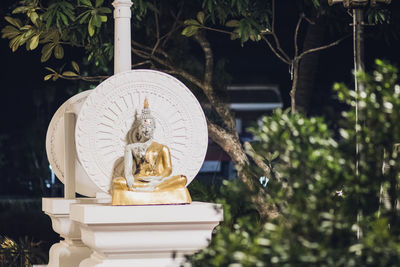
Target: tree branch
x,y
157,33
257,159
222,108
228,142
287,61
169,67
150,49
141,63
313,50
273,33
232,146
309,20
296,34
175,26
209,59
215,30
83,78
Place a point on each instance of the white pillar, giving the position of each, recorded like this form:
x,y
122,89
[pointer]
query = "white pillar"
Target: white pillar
x,y
122,35
70,155
70,251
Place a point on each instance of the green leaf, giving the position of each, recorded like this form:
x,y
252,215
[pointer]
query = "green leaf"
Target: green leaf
x,y
91,26
274,155
64,19
46,52
200,17
20,9
69,74
16,22
59,52
86,3
26,27
356,247
84,17
75,66
48,17
103,18
234,36
34,41
50,69
15,43
97,21
232,23
191,22
244,30
104,10
190,30
316,3
67,6
34,16
99,3
48,77
9,32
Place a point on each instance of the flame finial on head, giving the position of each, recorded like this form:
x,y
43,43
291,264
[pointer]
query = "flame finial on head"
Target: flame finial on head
x,y
146,113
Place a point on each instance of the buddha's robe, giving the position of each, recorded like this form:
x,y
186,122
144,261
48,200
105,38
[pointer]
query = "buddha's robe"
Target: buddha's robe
x,y
156,163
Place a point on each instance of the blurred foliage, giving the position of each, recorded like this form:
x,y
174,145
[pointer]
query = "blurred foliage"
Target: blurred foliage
x,y
329,215
241,221
25,232
250,20
21,253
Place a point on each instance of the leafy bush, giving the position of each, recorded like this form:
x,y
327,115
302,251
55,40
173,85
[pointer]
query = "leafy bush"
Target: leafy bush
x,y
337,207
25,252
25,232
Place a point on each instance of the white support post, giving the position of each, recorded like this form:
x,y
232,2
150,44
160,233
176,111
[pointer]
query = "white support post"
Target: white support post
x,y
69,154
122,35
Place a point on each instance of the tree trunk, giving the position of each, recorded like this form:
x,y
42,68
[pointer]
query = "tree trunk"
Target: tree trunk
x,y
308,66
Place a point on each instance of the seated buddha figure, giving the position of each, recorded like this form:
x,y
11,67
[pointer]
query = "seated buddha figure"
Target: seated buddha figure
x,y
147,169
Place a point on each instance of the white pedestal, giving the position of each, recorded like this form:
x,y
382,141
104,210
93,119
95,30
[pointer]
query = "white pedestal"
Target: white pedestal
x,y
139,236
70,251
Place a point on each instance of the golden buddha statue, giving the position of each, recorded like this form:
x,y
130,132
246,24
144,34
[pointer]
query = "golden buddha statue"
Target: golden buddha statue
x,y
147,169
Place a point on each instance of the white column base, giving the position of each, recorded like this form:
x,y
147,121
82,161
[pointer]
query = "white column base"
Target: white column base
x,y
137,260
67,254
144,236
70,251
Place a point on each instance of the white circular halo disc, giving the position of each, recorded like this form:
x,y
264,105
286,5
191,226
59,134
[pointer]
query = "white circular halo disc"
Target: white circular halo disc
x,y
108,113
55,146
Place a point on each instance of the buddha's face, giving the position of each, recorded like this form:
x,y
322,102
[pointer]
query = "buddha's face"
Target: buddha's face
x,y
146,129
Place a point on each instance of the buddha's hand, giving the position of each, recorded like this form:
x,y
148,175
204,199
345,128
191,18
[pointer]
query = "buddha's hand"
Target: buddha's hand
x,y
150,179
152,182
130,181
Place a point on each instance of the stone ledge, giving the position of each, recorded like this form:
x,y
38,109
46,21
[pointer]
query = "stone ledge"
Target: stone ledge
x,y
107,214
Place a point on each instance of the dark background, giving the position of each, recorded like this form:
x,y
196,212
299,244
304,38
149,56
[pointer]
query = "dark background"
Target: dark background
x,y
27,104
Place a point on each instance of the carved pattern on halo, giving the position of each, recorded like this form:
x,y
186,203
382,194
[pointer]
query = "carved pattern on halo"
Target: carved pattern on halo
x,y
167,95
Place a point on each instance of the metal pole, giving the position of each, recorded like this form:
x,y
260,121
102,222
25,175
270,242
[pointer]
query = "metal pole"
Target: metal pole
x,y
122,35
358,43
358,48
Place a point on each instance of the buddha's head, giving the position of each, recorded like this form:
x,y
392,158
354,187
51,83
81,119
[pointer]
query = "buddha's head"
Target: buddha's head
x,y
144,125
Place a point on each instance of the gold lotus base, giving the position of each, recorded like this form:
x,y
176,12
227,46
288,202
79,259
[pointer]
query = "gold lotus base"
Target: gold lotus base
x,y
176,196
